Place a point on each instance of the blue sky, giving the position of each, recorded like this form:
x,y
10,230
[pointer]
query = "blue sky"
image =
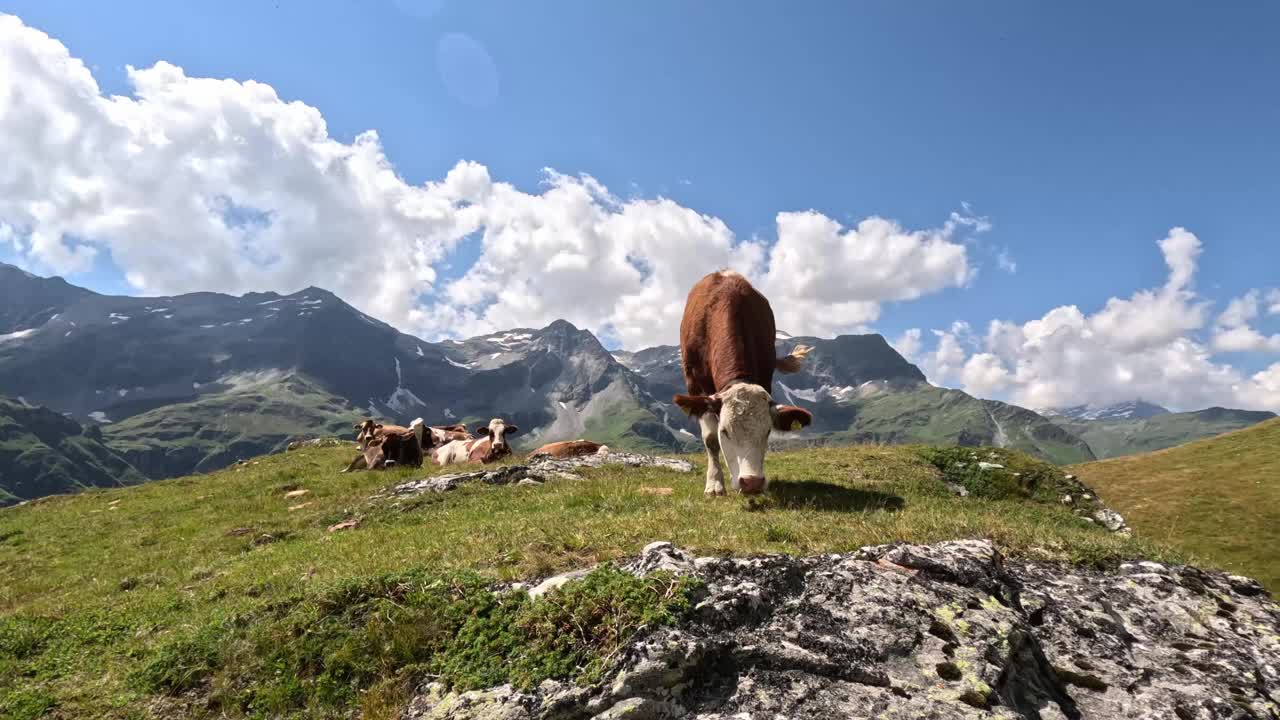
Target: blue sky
x,y
1082,131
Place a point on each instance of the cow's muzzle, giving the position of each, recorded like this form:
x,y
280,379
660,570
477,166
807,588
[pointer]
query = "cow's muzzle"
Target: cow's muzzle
x,y
751,485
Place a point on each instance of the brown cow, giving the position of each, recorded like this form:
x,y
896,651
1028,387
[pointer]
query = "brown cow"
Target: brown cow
x,y
489,448
569,448
393,448
727,349
369,431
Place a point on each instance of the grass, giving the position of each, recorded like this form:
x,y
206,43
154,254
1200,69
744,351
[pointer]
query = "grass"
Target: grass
x,y
209,597
1215,500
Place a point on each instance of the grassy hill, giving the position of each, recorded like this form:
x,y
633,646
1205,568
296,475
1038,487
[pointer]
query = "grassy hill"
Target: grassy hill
x,y
1119,437
1217,500
224,595
44,453
919,413
259,414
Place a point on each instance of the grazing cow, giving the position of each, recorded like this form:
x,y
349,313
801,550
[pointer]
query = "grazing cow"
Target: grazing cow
x,y
492,446
727,349
369,432
569,448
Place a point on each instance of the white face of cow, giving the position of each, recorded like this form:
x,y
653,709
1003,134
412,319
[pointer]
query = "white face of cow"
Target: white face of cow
x,y
498,430
745,423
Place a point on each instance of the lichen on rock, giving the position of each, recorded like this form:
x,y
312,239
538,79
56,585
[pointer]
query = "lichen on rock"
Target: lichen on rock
x,y
950,630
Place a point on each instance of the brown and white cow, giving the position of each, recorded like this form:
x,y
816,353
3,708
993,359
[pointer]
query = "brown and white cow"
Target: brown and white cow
x,y
569,448
727,349
443,434
393,449
370,431
490,447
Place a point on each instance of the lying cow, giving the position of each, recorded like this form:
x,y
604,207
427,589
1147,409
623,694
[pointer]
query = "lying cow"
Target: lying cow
x,y
490,447
443,434
370,432
393,448
569,448
727,350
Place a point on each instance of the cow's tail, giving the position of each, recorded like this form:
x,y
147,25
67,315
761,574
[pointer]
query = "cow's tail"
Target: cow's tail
x,y
793,362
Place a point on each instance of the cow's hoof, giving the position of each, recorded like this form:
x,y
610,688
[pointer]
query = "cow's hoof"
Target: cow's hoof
x,y
714,492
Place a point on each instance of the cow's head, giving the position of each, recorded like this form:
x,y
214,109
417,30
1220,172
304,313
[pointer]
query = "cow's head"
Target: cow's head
x,y
497,431
365,431
745,415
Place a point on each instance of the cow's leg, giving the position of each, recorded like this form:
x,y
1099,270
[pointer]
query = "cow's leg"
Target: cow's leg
x,y
356,463
710,424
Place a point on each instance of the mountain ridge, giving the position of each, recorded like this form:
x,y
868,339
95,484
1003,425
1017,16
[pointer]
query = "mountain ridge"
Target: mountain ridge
x,y
166,376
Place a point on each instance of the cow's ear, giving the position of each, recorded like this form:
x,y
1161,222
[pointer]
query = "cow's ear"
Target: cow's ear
x,y
482,430
697,405
512,429
789,418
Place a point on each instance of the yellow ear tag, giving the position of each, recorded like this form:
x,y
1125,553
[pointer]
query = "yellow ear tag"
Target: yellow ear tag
x,y
795,426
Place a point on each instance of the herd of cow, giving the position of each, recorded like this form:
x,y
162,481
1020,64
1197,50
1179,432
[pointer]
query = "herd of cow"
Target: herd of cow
x,y
383,445
727,352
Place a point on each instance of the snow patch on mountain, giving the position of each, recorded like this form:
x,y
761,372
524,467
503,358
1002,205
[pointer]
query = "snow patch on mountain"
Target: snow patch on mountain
x,y
19,335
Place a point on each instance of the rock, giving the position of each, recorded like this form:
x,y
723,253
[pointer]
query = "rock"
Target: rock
x,y
662,555
557,581
528,482
1066,499
1111,520
539,471
958,489
990,466
316,442
951,630
296,493
344,525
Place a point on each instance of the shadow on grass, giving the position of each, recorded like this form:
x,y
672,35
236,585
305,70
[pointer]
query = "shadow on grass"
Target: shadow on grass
x,y
824,497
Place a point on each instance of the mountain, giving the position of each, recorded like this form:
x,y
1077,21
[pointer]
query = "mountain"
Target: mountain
x,y
862,390
28,301
1117,436
43,453
194,382
1216,498
1131,410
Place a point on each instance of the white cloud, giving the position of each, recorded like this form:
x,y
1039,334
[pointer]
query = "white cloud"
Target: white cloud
x,y
197,183
1141,346
1273,302
1006,262
823,278
908,344
1233,334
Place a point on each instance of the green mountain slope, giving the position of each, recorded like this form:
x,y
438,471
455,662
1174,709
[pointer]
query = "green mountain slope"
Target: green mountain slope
x,y
1115,438
44,453
907,412
1218,499
255,414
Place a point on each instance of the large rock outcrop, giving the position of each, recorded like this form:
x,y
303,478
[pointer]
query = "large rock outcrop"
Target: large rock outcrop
x,y
951,630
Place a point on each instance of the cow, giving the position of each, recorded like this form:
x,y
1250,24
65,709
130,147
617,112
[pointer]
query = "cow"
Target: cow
x,y
369,431
727,352
393,448
569,448
490,447
442,434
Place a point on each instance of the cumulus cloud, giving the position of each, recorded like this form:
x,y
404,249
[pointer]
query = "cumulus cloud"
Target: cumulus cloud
x,y
1141,346
207,184
1233,332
